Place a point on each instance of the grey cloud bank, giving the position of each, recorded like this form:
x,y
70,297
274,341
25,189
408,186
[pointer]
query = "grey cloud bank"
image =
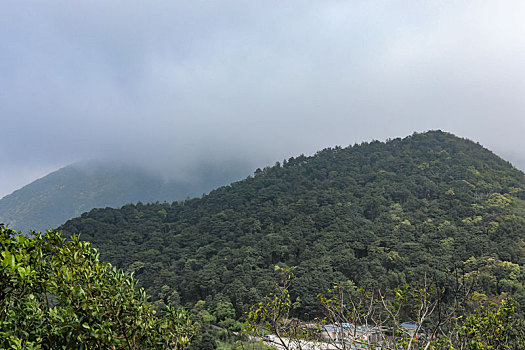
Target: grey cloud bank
x,y
171,84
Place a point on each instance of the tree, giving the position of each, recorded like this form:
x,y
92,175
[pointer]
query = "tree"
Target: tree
x,y
56,294
377,214
355,318
204,341
492,326
274,314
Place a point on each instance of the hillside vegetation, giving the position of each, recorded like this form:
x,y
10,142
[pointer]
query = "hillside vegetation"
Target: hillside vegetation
x,y
58,295
380,214
77,188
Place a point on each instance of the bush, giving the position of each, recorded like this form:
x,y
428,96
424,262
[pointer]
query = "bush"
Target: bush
x,y
56,294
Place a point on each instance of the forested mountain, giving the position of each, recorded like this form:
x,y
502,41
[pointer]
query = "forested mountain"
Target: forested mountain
x,y
377,213
74,189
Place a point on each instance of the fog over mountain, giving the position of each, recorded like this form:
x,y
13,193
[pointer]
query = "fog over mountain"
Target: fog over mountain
x,y
70,191
170,85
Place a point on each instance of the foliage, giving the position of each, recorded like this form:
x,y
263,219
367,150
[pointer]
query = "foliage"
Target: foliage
x,y
379,214
70,191
273,314
494,326
56,294
244,345
355,318
204,341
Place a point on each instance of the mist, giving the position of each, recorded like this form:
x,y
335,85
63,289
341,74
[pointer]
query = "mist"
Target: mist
x,y
177,86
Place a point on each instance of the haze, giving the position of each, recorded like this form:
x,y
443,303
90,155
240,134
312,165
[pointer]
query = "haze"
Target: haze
x,y
171,85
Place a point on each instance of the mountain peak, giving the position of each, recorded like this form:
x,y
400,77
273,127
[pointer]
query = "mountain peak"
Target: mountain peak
x,y
377,213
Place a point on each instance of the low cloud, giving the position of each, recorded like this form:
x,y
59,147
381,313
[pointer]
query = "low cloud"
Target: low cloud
x,y
172,85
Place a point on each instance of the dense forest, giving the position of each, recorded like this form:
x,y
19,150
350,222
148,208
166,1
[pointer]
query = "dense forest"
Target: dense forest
x,y
56,294
379,214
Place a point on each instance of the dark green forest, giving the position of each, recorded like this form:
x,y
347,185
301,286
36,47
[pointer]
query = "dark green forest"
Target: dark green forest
x,y
379,214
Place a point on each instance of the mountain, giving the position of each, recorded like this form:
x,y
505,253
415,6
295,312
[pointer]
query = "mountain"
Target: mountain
x,y
379,214
74,189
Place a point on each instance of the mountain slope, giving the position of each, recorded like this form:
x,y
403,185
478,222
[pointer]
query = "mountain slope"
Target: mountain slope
x,y
379,214
72,190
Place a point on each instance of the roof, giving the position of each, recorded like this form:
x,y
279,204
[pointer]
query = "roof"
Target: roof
x,y
348,327
409,325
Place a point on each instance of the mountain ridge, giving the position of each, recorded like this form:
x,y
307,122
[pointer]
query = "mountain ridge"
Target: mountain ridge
x,y
378,214
69,191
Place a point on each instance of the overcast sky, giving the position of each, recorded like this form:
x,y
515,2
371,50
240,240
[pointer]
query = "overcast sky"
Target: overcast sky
x,y
171,83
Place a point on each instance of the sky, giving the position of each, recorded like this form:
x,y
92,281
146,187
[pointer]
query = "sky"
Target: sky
x,y
172,84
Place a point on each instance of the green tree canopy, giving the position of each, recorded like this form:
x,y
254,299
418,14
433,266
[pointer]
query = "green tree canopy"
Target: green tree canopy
x,y
56,294
378,214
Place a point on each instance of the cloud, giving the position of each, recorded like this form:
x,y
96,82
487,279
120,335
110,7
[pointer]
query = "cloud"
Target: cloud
x,y
171,83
